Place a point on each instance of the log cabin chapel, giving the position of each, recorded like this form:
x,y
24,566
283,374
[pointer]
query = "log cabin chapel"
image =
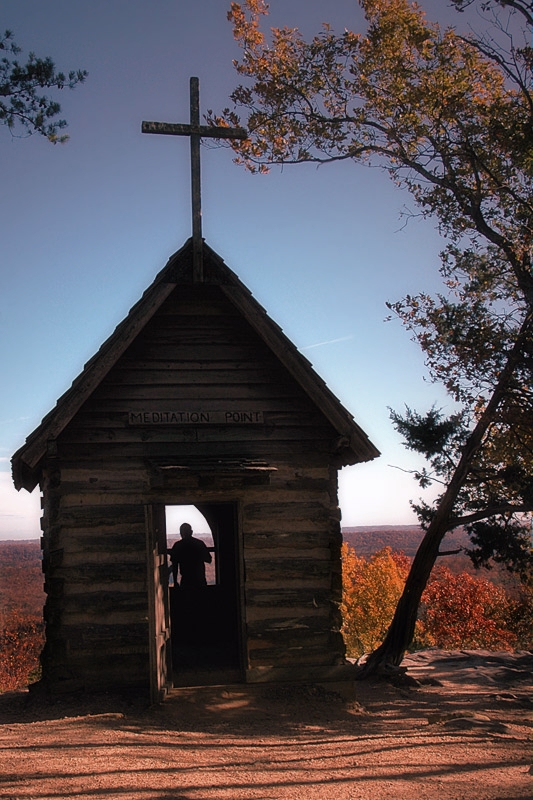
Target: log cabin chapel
x,y
197,399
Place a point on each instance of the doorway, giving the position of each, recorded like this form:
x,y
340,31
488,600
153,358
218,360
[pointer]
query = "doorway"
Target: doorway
x,y
205,622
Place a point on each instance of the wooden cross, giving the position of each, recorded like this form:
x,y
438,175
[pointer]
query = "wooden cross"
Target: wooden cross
x,y
196,132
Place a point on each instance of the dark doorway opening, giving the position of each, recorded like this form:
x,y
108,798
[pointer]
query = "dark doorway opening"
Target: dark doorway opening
x,y
205,619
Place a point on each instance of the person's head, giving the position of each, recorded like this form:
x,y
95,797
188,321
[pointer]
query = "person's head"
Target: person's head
x,y
185,531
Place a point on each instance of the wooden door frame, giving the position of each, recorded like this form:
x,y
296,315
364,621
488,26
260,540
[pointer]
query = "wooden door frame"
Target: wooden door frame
x,y
160,651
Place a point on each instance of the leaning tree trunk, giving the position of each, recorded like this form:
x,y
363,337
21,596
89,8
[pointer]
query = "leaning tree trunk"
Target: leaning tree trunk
x,y
401,631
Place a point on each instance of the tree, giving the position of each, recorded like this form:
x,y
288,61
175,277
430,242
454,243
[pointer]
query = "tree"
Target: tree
x,y
449,118
464,612
370,592
21,642
521,6
22,106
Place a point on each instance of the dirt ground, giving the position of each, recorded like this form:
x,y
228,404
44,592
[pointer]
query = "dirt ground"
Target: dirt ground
x,y
457,726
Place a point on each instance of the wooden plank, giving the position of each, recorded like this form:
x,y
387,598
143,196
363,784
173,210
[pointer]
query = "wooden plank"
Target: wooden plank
x,y
123,550
107,604
286,641
190,432
190,374
114,406
313,452
221,352
310,583
101,575
102,515
271,615
286,569
188,301
284,540
111,420
109,537
97,634
77,472
99,485
296,658
236,391
178,330
285,597
140,366
315,511
318,554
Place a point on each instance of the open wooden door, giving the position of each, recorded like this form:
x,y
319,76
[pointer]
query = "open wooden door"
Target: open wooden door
x,y
158,604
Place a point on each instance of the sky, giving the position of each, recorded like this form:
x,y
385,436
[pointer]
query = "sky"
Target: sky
x,y
87,225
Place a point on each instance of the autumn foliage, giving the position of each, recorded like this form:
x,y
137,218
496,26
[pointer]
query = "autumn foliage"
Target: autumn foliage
x,y
21,642
458,611
371,589
464,612
21,602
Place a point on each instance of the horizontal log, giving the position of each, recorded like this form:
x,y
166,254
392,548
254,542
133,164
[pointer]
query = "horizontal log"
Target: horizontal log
x,y
102,574
78,473
118,671
279,612
313,510
114,406
102,515
190,302
286,598
306,525
194,391
249,433
287,629
178,375
311,453
99,604
109,420
285,540
99,485
289,554
176,336
290,640
119,546
95,635
311,583
280,569
241,351
313,656
134,365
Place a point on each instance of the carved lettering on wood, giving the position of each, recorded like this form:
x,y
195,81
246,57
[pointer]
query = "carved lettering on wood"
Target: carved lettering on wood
x,y
195,417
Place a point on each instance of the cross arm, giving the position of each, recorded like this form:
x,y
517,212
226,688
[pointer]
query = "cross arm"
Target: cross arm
x,y
204,131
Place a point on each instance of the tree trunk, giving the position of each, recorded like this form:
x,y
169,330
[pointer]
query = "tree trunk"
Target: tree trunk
x,y
401,631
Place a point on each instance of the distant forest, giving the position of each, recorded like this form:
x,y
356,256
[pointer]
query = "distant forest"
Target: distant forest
x,y
375,564
21,578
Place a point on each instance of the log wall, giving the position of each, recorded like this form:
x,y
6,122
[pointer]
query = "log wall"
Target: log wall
x,y
196,355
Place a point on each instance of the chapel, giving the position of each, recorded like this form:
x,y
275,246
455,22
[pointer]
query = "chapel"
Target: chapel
x,y
197,399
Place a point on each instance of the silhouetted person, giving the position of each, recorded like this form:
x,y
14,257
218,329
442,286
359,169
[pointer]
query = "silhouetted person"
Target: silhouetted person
x,y
190,555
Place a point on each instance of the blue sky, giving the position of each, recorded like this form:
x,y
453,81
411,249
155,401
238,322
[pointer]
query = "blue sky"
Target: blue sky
x,y
87,225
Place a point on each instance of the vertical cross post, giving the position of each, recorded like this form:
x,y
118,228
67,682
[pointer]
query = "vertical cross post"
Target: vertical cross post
x,y
196,194
196,133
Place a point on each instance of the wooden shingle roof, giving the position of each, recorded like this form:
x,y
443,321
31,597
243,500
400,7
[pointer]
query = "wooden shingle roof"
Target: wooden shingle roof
x,y
354,445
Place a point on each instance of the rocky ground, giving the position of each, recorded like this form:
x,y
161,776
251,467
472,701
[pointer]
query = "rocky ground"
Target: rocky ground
x,y
457,726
